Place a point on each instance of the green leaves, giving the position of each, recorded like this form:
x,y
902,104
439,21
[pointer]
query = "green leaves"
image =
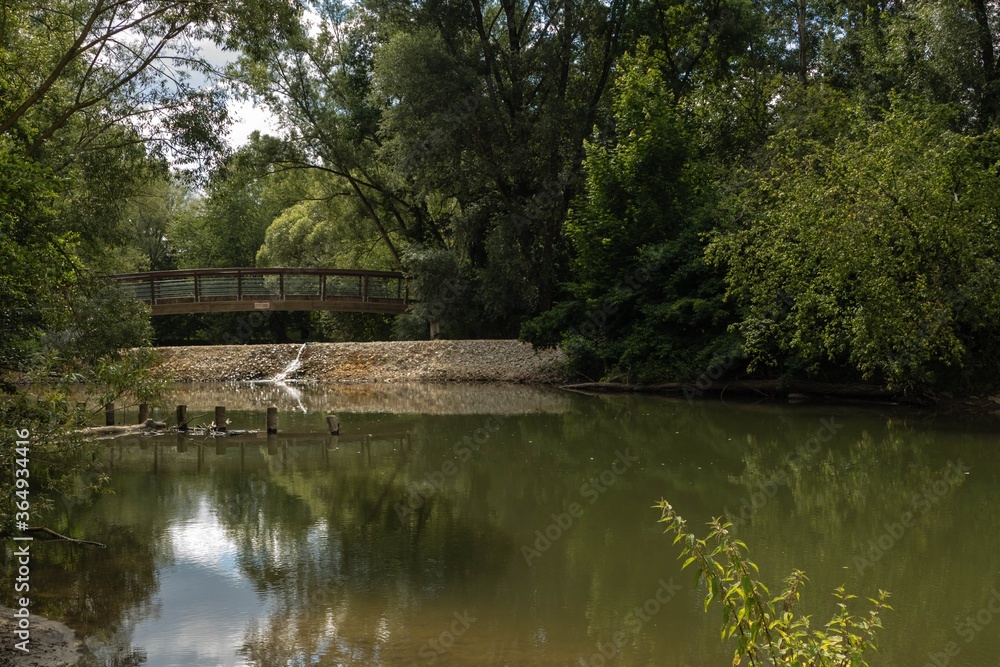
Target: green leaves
x,y
854,249
765,632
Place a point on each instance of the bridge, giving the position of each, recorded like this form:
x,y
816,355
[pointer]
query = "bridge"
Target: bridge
x,y
242,289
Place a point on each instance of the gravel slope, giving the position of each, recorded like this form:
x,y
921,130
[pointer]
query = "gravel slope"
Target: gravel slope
x,y
395,361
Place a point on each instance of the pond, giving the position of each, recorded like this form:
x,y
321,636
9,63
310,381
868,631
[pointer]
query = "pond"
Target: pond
x,y
505,525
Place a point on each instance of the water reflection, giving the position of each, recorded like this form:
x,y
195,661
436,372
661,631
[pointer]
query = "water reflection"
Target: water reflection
x,y
292,549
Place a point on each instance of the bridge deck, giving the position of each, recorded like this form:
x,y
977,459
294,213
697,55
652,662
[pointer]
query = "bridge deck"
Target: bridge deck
x,y
242,289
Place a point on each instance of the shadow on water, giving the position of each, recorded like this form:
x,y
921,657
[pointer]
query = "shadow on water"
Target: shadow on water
x,y
449,538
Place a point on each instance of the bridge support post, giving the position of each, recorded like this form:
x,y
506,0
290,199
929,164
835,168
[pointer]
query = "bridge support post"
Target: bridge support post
x,y
143,412
272,420
220,418
109,414
182,417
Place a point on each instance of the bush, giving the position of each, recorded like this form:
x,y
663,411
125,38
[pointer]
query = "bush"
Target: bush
x,y
766,629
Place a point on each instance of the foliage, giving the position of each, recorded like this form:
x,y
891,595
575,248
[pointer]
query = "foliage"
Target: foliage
x,y
95,96
154,210
56,462
766,628
27,259
442,290
868,244
646,304
228,227
452,128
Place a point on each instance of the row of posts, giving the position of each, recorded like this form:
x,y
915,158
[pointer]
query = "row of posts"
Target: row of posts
x,y
332,421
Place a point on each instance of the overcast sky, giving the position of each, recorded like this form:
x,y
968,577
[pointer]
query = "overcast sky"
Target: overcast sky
x,y
246,116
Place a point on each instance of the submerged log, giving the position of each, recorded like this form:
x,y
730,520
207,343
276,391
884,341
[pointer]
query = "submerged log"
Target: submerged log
x,y
148,425
800,389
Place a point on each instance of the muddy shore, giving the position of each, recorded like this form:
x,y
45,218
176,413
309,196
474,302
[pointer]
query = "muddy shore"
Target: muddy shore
x,y
52,644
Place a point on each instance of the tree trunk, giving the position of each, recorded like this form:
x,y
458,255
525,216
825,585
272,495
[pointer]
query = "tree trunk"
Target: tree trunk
x,y
803,38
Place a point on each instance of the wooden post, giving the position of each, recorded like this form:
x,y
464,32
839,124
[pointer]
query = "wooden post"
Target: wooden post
x,y
220,418
143,412
182,417
333,423
109,414
272,419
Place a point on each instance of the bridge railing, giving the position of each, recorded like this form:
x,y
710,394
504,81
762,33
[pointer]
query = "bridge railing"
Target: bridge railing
x,y
160,288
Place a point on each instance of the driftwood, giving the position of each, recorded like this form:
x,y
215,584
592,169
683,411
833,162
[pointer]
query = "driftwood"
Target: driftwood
x,y
795,389
123,429
60,536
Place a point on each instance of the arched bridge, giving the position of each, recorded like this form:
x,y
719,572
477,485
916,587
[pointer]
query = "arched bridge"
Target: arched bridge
x,y
229,290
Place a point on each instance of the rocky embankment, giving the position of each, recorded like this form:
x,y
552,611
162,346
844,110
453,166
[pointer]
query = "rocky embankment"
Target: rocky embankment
x,y
395,361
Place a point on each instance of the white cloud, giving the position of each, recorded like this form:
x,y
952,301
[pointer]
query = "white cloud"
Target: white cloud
x,y
247,117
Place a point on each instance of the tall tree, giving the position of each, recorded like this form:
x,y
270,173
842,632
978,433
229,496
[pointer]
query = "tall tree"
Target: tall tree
x,y
456,126
92,97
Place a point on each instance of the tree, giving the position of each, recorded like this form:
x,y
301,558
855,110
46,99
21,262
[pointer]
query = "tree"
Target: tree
x,y
870,245
646,305
93,98
151,213
455,127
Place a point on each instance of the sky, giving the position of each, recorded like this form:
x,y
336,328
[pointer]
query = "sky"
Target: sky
x,y
246,116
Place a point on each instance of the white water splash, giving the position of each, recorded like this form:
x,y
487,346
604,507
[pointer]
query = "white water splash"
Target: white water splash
x,y
279,380
289,369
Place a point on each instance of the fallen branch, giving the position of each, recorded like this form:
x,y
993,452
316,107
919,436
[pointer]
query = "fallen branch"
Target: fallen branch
x,y
772,388
60,536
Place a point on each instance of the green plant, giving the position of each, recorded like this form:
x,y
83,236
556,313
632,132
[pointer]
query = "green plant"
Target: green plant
x,y
766,629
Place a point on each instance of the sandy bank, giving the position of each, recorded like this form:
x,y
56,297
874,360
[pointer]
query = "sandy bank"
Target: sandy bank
x,y
52,644
395,361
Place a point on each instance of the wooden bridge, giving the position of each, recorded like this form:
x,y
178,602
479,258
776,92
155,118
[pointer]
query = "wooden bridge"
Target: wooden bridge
x,y
229,290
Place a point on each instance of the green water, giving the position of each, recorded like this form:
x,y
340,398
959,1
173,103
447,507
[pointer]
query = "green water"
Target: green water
x,y
418,538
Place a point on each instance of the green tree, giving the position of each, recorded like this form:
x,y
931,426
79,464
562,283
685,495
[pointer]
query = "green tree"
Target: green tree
x,y
645,304
151,213
870,245
454,127
93,99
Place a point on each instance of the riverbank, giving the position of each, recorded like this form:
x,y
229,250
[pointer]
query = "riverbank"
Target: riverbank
x,y
53,644
390,361
800,392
